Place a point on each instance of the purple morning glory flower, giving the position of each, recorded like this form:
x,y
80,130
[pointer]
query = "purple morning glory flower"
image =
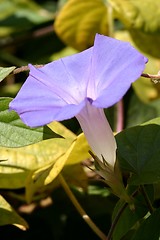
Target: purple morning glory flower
x,y
82,85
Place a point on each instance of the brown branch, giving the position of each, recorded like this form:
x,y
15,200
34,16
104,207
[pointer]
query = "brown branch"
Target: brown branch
x,y
154,78
25,68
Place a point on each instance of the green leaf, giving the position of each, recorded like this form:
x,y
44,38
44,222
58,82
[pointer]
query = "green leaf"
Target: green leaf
x,y
138,152
14,133
148,111
150,228
78,22
147,42
129,217
21,15
9,216
5,71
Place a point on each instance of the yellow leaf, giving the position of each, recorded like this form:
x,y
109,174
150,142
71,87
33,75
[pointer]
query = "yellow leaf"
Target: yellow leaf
x,y
77,152
139,14
141,18
75,176
20,161
79,20
9,216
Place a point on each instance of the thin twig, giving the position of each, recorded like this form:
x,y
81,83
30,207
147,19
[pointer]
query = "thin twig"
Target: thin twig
x,y
154,78
25,68
147,200
81,211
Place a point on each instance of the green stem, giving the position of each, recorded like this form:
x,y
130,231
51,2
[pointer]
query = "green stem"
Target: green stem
x,y
118,215
110,20
81,211
146,197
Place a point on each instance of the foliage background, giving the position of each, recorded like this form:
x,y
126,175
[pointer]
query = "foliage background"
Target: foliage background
x,y
41,31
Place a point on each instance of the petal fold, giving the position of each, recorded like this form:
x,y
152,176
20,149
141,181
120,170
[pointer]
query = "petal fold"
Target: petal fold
x,y
115,65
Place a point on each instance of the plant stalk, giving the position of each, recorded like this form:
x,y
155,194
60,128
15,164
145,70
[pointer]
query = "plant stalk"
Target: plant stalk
x,y
81,211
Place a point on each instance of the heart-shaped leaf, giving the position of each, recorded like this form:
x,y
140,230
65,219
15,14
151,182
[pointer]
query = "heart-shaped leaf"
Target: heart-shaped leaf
x,y
138,152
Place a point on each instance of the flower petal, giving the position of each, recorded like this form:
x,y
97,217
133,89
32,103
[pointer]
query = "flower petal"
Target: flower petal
x,y
115,65
55,91
38,105
49,114
67,76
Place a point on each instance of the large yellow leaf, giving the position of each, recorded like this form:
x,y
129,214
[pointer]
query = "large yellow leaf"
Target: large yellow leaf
x,y
79,20
77,152
139,14
141,18
20,161
9,216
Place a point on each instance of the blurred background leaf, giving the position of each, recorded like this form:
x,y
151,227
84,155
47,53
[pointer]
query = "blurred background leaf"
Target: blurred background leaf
x,y
9,215
4,72
78,22
141,19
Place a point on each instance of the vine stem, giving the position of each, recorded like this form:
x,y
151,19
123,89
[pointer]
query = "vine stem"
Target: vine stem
x,y
154,78
118,215
81,211
110,20
146,197
120,119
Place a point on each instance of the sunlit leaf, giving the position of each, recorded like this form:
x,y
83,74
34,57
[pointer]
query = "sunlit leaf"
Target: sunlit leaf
x,y
21,161
78,22
77,152
14,133
141,18
5,71
9,216
138,151
138,14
